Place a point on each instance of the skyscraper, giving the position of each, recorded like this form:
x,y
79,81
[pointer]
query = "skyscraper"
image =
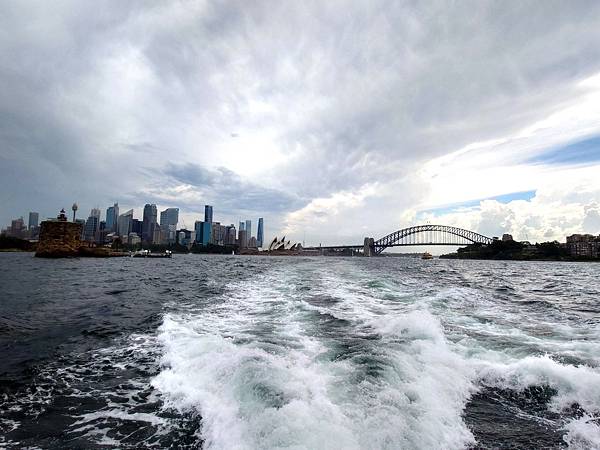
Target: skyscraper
x,y
260,232
242,239
168,224
242,226
33,220
208,213
124,224
149,222
112,216
248,229
92,225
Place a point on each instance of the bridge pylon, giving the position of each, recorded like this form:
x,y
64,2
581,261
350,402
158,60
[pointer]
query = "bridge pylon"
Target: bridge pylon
x,y
369,247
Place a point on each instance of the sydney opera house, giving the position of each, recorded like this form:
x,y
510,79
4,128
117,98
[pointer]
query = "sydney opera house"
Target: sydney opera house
x,y
281,245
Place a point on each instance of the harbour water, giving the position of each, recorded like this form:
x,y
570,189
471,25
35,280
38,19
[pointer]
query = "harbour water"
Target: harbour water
x,y
229,352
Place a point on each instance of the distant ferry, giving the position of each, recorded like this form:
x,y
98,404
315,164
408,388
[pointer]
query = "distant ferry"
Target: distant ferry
x,y
426,255
148,254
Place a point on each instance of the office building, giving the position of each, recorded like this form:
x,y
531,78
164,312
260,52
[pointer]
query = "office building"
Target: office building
x,y
248,229
16,229
252,242
136,227
149,222
203,232
92,225
124,224
584,245
242,239
242,226
34,219
112,216
168,225
230,235
208,213
133,239
260,232
217,233
185,237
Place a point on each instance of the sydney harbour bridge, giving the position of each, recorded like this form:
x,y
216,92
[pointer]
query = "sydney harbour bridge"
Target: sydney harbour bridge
x,y
416,235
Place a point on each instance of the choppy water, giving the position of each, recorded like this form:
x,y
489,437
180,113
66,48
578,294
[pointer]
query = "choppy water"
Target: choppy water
x,y
315,353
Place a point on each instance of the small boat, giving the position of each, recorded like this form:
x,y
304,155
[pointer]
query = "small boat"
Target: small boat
x,y
426,255
148,254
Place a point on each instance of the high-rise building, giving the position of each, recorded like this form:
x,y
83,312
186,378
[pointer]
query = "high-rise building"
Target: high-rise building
x,y
124,224
168,225
185,237
92,225
242,226
112,216
208,213
249,228
149,224
230,235
17,228
260,232
198,231
136,227
206,236
203,232
242,239
33,220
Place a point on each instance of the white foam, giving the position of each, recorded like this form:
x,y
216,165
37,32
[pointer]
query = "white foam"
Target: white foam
x,y
583,433
249,398
256,369
574,384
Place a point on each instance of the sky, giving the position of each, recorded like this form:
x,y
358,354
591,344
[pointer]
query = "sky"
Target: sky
x,y
332,120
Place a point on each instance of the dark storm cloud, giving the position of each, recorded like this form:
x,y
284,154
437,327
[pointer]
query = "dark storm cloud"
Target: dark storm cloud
x,y
196,186
121,100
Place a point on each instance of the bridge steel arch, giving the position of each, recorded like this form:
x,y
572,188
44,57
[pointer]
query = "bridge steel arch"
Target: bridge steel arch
x,y
444,235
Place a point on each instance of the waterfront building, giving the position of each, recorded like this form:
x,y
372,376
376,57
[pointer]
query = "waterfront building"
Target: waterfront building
x,y
218,233
112,215
168,225
92,225
16,229
198,231
248,229
208,213
252,242
185,237
242,239
203,232
136,227
33,220
124,224
133,239
584,245
260,232
156,235
149,222
230,235
206,232
102,233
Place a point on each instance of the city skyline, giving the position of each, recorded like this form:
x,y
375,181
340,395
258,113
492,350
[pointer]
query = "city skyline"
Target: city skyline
x,y
406,120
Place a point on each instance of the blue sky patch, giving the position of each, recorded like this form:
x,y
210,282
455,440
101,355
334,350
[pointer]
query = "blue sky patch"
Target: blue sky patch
x,y
504,198
580,152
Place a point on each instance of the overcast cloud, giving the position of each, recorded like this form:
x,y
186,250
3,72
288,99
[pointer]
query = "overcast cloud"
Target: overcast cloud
x,y
333,120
